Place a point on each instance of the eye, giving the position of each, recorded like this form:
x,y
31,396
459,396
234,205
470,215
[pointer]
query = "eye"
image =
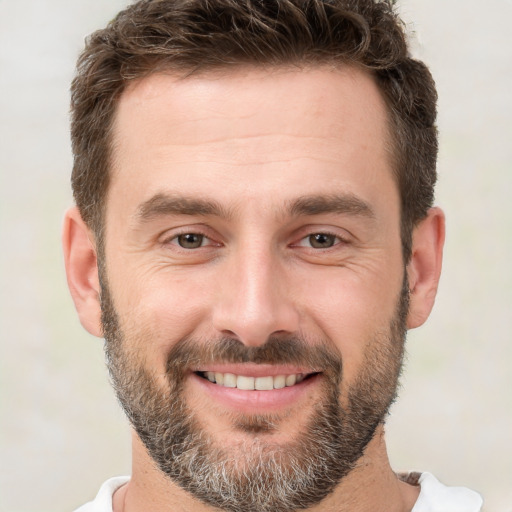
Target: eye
x,y
190,240
320,241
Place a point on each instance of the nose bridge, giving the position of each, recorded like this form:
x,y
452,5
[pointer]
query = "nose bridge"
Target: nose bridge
x,y
253,302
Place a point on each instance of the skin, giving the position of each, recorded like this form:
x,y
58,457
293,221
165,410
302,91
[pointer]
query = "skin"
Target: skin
x,y
254,142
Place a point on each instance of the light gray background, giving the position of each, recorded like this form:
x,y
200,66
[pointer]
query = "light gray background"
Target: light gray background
x,y
61,431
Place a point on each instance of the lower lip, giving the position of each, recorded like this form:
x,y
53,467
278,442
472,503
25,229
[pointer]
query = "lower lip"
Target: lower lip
x,y
256,401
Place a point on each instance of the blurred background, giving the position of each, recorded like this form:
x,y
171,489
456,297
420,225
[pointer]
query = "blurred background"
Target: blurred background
x,y
61,431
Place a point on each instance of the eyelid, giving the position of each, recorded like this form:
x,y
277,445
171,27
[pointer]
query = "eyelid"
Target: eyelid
x,y
342,236
203,241
303,242
170,236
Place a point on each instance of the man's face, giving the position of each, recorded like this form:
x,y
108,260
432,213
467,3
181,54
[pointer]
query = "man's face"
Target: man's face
x,y
252,240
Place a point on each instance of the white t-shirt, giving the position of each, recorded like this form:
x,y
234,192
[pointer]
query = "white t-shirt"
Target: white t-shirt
x,y
434,497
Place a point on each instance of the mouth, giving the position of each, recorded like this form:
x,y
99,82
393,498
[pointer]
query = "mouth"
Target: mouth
x,y
250,388
260,383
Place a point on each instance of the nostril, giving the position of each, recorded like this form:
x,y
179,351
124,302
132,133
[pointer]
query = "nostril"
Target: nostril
x,y
253,320
229,334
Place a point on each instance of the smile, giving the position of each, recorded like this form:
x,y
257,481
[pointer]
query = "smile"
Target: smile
x,y
263,383
255,388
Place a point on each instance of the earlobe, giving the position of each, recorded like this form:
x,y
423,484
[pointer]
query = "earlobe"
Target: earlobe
x,y
82,270
424,268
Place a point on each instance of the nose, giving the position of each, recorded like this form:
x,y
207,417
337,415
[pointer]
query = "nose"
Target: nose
x,y
254,301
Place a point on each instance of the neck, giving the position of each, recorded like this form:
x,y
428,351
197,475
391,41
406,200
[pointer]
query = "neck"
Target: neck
x,y
371,486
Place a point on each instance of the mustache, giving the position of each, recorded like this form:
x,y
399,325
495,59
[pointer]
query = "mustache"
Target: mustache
x,y
189,353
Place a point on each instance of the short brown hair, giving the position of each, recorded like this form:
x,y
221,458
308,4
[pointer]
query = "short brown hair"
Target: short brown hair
x,y
188,36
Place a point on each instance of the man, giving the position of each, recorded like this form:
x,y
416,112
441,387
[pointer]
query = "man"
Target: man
x,y
254,234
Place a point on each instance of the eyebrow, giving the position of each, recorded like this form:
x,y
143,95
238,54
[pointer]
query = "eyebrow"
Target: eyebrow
x,y
340,204
164,204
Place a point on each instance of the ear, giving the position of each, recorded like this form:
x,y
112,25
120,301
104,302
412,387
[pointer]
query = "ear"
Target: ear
x,y
82,270
424,268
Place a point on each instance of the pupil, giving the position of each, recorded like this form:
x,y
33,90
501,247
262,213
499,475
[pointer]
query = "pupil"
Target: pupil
x,y
190,241
321,240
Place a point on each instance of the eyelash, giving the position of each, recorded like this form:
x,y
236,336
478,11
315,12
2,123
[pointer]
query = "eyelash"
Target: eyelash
x,y
337,240
174,240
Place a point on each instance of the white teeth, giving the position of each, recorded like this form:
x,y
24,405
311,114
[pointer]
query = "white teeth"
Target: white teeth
x,y
264,383
279,382
230,380
290,380
246,383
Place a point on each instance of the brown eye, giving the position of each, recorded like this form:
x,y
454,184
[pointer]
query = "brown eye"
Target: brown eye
x,y
190,240
321,240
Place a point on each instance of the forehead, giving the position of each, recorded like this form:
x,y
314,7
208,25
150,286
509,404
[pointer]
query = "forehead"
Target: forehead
x,y
233,129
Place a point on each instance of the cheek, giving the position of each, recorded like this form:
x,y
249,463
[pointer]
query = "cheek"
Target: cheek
x,y
353,313
156,311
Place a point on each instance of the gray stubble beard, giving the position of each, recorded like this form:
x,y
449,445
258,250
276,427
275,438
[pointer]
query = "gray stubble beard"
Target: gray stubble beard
x,y
258,475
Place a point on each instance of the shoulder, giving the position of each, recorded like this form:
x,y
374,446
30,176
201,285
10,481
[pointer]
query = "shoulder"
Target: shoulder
x,y
103,500
437,497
